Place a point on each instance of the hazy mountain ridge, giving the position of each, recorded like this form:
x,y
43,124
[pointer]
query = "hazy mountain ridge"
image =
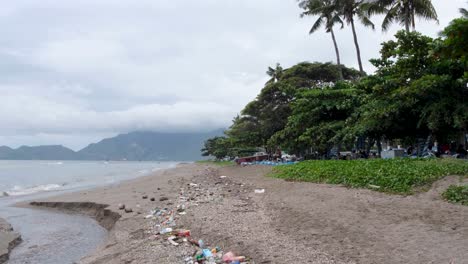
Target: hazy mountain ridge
x,y
133,146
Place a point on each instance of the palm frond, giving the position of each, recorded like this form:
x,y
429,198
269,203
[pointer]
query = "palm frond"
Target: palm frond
x,y
425,10
318,23
464,12
391,16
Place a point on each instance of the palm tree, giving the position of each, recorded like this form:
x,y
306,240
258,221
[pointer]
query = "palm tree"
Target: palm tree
x,y
464,12
349,9
403,11
275,73
326,16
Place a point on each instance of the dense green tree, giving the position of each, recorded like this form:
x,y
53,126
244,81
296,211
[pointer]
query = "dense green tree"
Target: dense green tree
x,y
414,93
318,119
326,17
269,112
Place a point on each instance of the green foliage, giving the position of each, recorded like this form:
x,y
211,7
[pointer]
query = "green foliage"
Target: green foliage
x,y
414,93
217,147
394,176
453,46
269,112
222,147
317,119
418,91
456,194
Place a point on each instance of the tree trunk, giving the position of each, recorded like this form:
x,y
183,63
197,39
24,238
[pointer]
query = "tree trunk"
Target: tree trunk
x,y
358,51
338,60
407,18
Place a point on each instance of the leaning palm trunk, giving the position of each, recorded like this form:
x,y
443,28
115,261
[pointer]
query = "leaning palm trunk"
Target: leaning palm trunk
x,y
337,51
358,51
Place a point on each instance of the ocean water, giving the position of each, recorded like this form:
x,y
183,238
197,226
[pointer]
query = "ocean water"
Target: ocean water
x,y
52,237
28,177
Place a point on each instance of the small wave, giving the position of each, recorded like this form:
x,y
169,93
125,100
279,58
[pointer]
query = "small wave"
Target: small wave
x,y
53,163
18,190
143,171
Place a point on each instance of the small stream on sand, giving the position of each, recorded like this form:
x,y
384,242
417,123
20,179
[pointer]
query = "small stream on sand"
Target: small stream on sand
x,y
51,237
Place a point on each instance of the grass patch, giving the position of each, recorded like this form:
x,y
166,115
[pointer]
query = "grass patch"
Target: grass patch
x,y
456,194
217,163
399,176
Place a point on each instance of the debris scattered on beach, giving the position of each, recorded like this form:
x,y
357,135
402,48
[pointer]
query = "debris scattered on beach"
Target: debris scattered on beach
x,y
259,190
144,197
164,225
268,163
128,210
121,206
163,199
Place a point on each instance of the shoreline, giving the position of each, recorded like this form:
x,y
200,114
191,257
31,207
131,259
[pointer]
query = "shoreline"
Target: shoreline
x,y
291,222
9,239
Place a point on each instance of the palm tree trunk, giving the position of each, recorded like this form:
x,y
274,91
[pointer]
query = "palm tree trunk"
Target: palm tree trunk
x,y
338,60
358,51
407,18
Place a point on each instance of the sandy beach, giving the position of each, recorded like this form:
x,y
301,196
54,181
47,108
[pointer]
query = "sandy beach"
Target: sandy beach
x,y
290,222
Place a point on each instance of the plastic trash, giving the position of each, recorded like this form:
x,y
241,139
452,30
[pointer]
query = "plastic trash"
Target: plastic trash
x,y
183,233
259,190
171,240
222,177
207,253
201,244
231,257
165,230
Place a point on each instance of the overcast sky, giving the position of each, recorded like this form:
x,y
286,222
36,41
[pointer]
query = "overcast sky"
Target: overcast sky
x,y
73,72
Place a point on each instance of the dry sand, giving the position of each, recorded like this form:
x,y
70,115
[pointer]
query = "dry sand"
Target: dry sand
x,y
290,223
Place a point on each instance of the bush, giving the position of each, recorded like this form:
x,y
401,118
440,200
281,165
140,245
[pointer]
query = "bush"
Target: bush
x,y
456,194
394,176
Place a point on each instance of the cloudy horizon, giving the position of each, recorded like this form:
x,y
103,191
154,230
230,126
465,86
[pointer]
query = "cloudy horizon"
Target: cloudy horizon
x,y
74,72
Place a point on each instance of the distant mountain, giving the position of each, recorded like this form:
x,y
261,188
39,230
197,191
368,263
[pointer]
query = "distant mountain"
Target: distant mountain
x,y
149,146
135,146
40,152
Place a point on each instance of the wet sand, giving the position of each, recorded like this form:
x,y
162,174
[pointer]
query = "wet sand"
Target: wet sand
x,y
290,223
8,240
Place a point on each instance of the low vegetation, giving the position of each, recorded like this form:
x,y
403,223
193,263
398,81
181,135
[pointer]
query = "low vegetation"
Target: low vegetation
x,y
457,194
399,176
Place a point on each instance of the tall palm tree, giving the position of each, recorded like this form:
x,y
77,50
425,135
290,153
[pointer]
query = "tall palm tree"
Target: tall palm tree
x,y
403,11
349,9
327,17
274,73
